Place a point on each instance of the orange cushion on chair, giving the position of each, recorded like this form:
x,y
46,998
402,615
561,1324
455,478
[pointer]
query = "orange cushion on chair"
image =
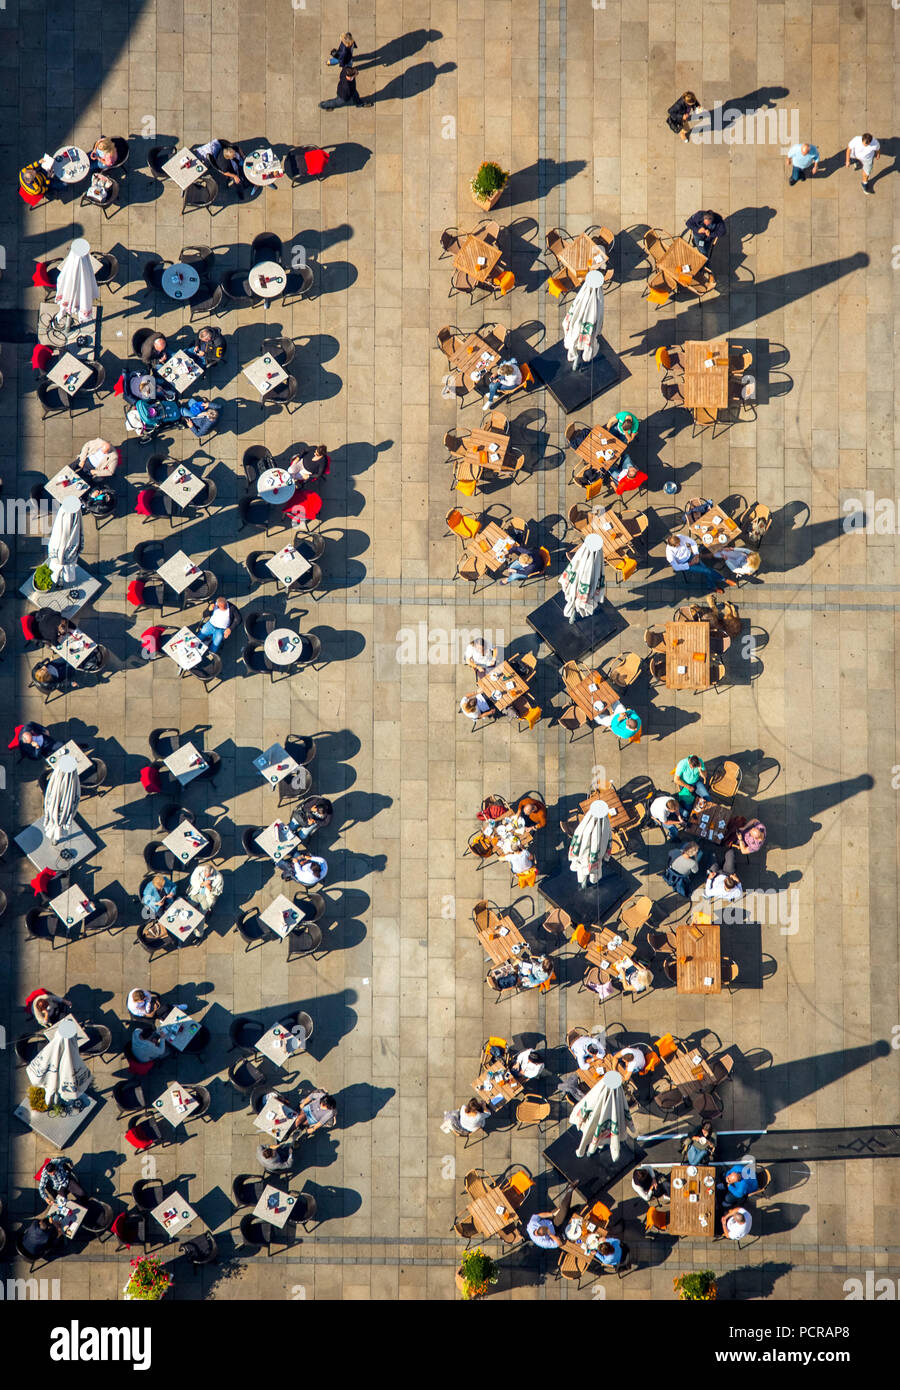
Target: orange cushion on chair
x,y
315,161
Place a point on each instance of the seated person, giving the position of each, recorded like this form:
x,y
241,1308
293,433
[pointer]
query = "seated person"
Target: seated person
x,y
205,887
310,465
609,1252
520,861
312,814
630,1060
736,1223
541,1231
103,155
155,349
649,1185
701,1146
505,377
705,229
683,554
219,624
308,869
624,723
147,1045
275,1158
587,1048
51,627
521,562
143,1003
747,837
683,862
200,416
666,812
473,1115
482,657
98,501
35,740
50,1008
318,1109
97,460
528,1065
624,425
740,560
229,161
534,811
209,347
690,779
39,1237
99,189
58,1180
720,885
697,507
158,892
477,706
534,971
740,1181
49,674
633,975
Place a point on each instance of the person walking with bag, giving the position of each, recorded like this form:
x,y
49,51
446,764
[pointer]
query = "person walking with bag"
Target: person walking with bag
x,y
347,95
343,54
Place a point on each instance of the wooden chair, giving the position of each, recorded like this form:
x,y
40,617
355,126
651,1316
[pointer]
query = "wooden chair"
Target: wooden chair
x,y
448,340
555,242
764,1181
560,284
557,922
473,1182
461,524
730,973
636,913
516,1187
725,781
716,671
657,291
671,393
655,638
579,517
668,360
704,282
466,477
495,420
573,718
755,522
465,1227
624,670
572,1266
657,666
532,1110
451,242
703,418
656,243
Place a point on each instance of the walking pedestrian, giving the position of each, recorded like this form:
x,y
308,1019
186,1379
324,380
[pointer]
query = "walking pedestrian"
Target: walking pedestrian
x,y
680,113
801,158
343,54
347,95
863,151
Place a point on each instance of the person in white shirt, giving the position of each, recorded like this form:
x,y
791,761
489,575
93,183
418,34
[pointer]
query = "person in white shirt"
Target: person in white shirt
x,y
683,554
308,869
142,1004
506,377
740,560
737,1223
630,1059
219,624
863,150
666,812
587,1048
473,1116
98,459
476,706
528,1066
719,885
481,657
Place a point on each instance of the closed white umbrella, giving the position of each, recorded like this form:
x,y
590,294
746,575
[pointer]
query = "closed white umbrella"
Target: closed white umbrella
x,y
584,320
65,542
587,850
76,287
59,1068
602,1117
61,799
583,581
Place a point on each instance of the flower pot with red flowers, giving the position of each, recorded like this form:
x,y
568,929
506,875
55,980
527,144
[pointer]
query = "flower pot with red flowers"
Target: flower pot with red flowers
x,y
148,1280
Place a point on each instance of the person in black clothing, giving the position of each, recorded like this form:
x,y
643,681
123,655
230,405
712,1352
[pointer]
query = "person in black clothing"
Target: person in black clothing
x,y
230,163
35,741
51,627
343,54
154,350
209,347
312,814
347,95
705,229
309,465
678,116
39,1237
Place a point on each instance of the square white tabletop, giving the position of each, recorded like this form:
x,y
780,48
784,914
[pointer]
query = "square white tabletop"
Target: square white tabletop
x,y
288,565
184,177
275,1215
182,486
75,649
187,650
257,373
181,919
269,842
69,906
172,571
276,1119
71,750
67,600
275,764
181,763
178,1028
274,916
80,1035
68,1217
71,366
76,844
168,1108
279,1045
184,1214
180,370
65,483
183,841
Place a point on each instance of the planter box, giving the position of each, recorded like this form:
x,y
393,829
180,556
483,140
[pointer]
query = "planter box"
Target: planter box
x,y
487,203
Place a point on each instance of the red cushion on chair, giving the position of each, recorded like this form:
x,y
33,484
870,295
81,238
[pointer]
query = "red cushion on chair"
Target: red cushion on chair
x,y
136,1141
42,280
29,630
315,161
135,592
41,357
41,882
145,499
32,199
39,1173
627,484
138,1068
303,506
35,994
152,637
14,742
150,779
119,388
117,1226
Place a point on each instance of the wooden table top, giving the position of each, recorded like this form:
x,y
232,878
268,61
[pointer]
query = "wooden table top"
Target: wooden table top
x,y
708,820
681,1069
714,529
706,386
618,815
680,253
476,443
583,696
466,258
506,1090
497,681
683,642
500,948
600,950
684,1215
578,255
595,1069
482,546
464,360
601,1231
599,439
483,1211
611,529
698,959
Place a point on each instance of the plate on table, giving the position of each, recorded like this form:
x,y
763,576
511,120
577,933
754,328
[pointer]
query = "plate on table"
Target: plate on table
x,y
678,1183
692,1171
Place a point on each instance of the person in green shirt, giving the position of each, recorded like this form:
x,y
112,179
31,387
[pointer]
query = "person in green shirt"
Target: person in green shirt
x,y
690,776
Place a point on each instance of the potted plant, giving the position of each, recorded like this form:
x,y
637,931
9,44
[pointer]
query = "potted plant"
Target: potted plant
x,y
476,1272
37,1103
699,1287
148,1281
488,184
43,579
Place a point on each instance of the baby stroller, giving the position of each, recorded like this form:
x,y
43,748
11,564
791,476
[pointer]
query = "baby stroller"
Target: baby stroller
x,y
145,418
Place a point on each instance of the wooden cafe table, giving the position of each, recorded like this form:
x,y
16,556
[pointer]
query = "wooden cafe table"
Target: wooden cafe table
x,y
688,1069
482,547
706,386
698,957
708,820
503,686
476,449
596,1068
618,815
485,1214
471,252
601,949
687,656
491,1085
580,254
593,1225
597,444
474,353
499,937
611,529
714,529
692,1218
586,689
681,254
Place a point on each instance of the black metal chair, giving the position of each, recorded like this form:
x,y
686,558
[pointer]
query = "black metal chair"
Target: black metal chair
x,y
236,289
305,941
244,1033
110,203
257,459
99,1217
213,848
94,780
299,283
204,587
152,272
202,193
28,1046
285,393
258,624
105,916
254,512
256,567
147,1193
157,156
152,944
200,257
254,658
130,1097
282,349
209,669
304,1210
256,1233
99,1041
251,930
249,845
246,1189
109,269
158,859
245,1075
51,398
39,925
198,1043
201,1249
163,742
210,304
267,247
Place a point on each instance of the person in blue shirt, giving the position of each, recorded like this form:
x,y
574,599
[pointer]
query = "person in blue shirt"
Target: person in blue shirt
x,y
158,893
801,158
740,1181
705,229
610,1253
199,416
541,1231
